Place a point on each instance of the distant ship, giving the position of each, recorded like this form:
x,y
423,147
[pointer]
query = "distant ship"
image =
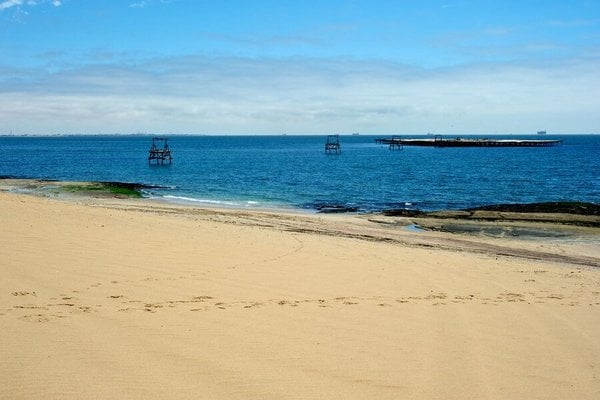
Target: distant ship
x,y
541,132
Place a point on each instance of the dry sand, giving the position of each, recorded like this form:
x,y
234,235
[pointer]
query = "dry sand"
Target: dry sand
x,y
128,299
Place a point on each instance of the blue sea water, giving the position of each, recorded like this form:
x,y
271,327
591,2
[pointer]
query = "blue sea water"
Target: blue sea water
x,y
295,172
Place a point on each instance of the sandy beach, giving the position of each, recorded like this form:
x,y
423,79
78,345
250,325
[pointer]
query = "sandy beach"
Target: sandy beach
x,y
122,298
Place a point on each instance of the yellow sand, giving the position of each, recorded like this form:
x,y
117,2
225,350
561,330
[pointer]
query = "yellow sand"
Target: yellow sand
x,y
114,300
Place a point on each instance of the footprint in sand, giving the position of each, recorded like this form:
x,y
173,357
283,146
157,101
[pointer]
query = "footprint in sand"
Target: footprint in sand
x,y
31,307
41,317
35,318
322,303
290,303
61,305
469,297
285,302
433,296
510,297
573,274
201,298
24,293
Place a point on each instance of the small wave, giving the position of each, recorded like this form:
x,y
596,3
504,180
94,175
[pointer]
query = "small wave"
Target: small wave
x,y
194,200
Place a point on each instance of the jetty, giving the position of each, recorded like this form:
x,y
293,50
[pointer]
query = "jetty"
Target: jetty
x,y
395,143
332,145
158,155
439,141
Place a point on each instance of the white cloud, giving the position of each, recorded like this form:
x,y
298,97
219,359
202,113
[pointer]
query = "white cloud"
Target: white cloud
x,y
20,4
10,3
295,95
139,4
145,3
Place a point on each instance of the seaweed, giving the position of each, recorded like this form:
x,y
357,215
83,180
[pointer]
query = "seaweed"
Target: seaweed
x,y
115,188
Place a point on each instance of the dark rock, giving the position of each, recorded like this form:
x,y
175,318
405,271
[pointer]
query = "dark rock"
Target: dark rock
x,y
563,207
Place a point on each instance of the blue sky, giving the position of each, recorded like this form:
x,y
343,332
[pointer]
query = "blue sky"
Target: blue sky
x,y
270,67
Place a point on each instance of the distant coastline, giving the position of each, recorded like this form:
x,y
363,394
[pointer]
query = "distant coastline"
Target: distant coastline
x,y
149,135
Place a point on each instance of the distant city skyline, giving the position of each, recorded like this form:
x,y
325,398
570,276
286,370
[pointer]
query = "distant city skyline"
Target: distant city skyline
x,y
299,67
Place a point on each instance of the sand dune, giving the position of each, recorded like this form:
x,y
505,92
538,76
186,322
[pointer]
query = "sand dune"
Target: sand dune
x,y
129,299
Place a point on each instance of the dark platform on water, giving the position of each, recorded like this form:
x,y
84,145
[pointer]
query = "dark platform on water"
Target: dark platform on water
x,y
462,142
332,146
158,155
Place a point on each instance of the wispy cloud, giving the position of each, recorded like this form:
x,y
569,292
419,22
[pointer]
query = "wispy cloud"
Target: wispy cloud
x,y
146,3
10,3
139,4
20,4
298,95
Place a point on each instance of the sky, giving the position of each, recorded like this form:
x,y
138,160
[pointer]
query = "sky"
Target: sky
x,y
299,66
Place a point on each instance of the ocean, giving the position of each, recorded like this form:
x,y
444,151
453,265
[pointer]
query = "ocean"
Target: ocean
x,y
294,172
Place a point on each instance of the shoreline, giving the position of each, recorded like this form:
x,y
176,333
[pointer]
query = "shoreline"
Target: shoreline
x,y
485,222
497,233
513,211
104,297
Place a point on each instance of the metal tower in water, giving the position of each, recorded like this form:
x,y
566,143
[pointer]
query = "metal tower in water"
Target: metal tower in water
x,y
158,155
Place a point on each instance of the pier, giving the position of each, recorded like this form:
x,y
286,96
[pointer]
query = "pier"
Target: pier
x,y
439,141
159,155
395,143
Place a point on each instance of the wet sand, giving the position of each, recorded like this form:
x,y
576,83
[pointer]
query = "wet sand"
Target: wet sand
x,y
121,298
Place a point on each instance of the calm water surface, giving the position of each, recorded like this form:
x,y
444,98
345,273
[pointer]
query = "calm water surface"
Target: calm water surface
x,y
294,171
